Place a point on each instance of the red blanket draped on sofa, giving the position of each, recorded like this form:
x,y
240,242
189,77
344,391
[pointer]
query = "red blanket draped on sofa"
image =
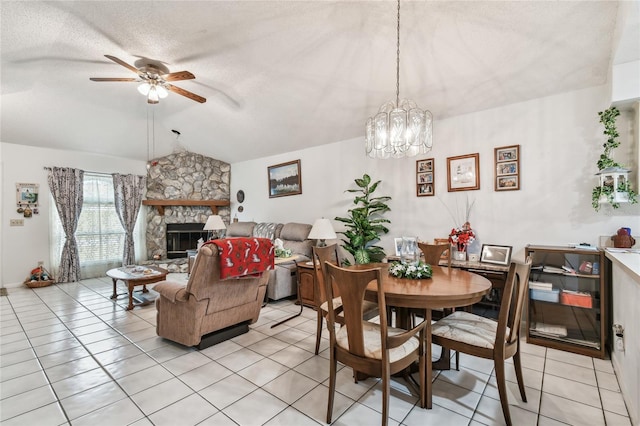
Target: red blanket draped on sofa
x,y
244,256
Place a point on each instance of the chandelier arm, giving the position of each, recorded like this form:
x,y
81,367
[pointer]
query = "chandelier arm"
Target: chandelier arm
x,y
398,59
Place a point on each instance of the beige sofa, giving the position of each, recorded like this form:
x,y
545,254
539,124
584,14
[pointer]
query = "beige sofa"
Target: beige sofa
x,y
283,280
207,304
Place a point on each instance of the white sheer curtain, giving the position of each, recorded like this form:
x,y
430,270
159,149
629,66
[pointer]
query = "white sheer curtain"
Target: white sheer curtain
x,y
99,233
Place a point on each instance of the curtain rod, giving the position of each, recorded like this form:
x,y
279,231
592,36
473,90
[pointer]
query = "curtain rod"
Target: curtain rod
x,y
86,171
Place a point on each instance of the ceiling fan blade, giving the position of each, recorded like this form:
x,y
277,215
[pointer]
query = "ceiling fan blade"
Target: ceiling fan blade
x,y
111,79
186,93
123,63
180,75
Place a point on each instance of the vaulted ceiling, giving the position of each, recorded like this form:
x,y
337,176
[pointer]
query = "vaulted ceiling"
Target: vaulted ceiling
x,y
283,75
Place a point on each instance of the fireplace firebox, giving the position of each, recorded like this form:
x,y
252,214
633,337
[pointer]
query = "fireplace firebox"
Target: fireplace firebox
x,y
182,237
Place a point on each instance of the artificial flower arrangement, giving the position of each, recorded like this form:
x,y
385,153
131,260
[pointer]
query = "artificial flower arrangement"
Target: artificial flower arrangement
x,y
409,270
462,237
283,252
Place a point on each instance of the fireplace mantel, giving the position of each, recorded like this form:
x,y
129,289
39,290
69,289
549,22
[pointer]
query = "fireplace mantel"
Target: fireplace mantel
x,y
161,204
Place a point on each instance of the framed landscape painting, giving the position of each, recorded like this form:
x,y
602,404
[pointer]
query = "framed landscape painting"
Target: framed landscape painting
x,y
284,179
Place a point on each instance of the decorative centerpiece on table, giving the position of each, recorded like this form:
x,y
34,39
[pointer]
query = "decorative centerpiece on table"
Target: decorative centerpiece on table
x,y
414,271
461,238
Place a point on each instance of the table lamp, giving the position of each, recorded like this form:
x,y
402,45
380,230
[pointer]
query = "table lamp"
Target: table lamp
x,y
321,231
214,223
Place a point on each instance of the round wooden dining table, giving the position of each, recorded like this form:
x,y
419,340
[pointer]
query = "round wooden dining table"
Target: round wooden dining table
x,y
447,288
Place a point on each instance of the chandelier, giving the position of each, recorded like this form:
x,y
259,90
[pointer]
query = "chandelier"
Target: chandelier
x,y
400,128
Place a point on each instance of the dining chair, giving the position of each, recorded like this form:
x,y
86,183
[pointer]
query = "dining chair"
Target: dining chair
x,y
486,338
320,256
433,253
376,350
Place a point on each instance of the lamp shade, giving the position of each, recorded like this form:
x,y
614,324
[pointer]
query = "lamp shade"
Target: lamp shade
x,y
322,230
214,222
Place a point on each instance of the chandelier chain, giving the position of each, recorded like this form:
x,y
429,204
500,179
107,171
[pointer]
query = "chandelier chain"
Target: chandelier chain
x,y
398,59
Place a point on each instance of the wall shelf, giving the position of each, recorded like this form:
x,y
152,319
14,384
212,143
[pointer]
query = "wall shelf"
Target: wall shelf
x,y
161,204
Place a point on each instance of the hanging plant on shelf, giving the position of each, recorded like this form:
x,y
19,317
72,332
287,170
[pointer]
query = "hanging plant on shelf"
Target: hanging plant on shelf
x,y
614,186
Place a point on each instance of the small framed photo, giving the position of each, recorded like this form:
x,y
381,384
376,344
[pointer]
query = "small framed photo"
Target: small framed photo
x,y
424,165
398,246
425,177
463,172
284,179
507,171
507,183
498,255
425,171
507,168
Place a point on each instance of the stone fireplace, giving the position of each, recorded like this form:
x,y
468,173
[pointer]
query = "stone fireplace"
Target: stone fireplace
x,y
180,190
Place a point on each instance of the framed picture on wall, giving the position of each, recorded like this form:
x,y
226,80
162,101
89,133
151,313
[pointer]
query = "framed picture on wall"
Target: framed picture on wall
x,y
284,179
463,172
507,170
425,172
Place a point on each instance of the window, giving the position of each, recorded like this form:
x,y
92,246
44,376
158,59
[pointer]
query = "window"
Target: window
x,y
100,235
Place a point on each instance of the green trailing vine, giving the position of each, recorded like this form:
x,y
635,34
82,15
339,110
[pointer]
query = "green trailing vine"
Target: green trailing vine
x,y
608,119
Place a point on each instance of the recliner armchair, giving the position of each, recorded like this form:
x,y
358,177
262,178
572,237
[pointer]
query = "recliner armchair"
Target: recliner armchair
x,y
206,303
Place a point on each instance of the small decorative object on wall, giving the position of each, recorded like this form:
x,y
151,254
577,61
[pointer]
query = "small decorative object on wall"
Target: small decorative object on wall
x,y
498,255
424,178
284,179
27,198
463,172
240,196
507,177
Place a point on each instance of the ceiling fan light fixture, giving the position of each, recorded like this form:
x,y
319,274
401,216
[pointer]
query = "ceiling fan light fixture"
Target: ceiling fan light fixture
x,y
144,88
400,128
162,92
153,97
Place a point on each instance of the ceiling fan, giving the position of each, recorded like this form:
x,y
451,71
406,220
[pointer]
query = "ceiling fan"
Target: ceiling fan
x,y
155,82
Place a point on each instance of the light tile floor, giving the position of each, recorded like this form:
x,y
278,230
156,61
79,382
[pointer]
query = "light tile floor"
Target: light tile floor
x,y
70,355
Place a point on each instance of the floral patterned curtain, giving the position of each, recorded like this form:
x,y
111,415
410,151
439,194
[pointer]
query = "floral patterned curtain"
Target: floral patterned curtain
x,y
128,191
66,188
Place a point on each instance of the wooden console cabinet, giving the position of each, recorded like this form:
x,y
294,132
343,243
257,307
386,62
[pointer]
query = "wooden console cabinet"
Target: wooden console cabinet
x,y
306,278
567,299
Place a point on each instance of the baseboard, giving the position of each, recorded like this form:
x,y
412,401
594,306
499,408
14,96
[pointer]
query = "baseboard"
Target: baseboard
x,y
222,335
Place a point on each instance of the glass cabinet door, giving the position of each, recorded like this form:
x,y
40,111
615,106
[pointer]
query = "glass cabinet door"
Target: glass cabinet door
x,y
566,301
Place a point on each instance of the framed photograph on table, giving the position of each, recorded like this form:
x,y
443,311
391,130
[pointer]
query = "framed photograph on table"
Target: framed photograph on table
x,y
398,246
425,170
463,172
507,171
284,179
498,255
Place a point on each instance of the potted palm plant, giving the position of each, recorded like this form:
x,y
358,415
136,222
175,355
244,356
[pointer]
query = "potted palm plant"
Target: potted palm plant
x,y
365,223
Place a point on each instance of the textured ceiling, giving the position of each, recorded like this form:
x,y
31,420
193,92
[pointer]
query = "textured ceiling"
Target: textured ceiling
x,y
281,75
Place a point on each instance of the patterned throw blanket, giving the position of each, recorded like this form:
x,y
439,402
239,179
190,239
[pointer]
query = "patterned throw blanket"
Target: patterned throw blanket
x,y
240,257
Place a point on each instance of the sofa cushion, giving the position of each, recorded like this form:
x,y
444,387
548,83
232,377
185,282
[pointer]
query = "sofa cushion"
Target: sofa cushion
x,y
294,237
240,229
268,230
295,231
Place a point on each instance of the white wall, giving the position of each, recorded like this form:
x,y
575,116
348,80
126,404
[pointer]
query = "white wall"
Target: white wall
x,y
560,141
23,247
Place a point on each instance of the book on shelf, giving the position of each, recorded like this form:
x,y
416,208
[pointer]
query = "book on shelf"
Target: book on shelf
x,y
550,329
553,269
539,285
578,293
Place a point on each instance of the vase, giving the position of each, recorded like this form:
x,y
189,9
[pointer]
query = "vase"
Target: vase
x,y
461,252
409,252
